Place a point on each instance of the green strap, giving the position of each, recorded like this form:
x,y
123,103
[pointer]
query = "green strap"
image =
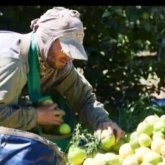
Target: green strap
x,y
34,88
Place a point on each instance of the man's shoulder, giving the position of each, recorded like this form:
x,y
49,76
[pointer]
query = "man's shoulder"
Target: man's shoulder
x,y
9,35
7,32
10,44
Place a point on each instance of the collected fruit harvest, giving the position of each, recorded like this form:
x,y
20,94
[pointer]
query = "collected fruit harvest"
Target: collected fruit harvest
x,y
143,146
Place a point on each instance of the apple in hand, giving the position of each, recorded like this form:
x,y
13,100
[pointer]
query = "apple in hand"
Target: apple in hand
x,y
64,129
46,100
107,140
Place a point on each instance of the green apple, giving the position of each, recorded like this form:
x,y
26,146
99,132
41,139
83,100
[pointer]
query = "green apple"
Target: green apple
x,y
98,162
116,147
152,119
127,137
108,142
133,135
111,158
145,127
159,126
146,163
76,155
99,159
158,134
152,157
134,143
124,139
64,129
99,155
162,118
162,150
46,100
130,160
140,152
144,140
161,163
156,144
88,161
125,150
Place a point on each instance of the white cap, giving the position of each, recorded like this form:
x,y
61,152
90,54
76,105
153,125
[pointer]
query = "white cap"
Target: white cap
x,y
65,25
72,45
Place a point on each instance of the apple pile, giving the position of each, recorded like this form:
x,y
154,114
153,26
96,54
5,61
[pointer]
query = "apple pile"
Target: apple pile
x,y
144,146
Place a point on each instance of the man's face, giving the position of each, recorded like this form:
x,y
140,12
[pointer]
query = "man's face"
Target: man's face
x,y
56,57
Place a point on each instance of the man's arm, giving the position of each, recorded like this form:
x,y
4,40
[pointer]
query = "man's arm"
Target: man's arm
x,y
79,93
17,117
12,80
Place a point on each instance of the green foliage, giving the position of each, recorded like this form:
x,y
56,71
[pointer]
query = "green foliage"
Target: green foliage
x,y
122,33
84,138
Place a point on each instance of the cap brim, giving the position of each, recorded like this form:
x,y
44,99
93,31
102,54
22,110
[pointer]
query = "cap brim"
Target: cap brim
x,y
73,48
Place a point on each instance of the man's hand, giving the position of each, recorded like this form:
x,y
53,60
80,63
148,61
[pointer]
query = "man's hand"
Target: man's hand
x,y
112,127
50,115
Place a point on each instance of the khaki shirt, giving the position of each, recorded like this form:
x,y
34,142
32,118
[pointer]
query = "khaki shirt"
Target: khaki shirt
x,y
68,82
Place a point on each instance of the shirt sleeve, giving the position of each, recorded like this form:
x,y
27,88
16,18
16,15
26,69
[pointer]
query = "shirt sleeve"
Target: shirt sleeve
x,y
12,81
79,94
23,118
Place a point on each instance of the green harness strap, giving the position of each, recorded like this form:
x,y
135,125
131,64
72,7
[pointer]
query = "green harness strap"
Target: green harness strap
x,y
34,87
34,90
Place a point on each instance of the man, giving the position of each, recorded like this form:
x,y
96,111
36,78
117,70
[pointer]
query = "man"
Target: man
x,y
56,40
